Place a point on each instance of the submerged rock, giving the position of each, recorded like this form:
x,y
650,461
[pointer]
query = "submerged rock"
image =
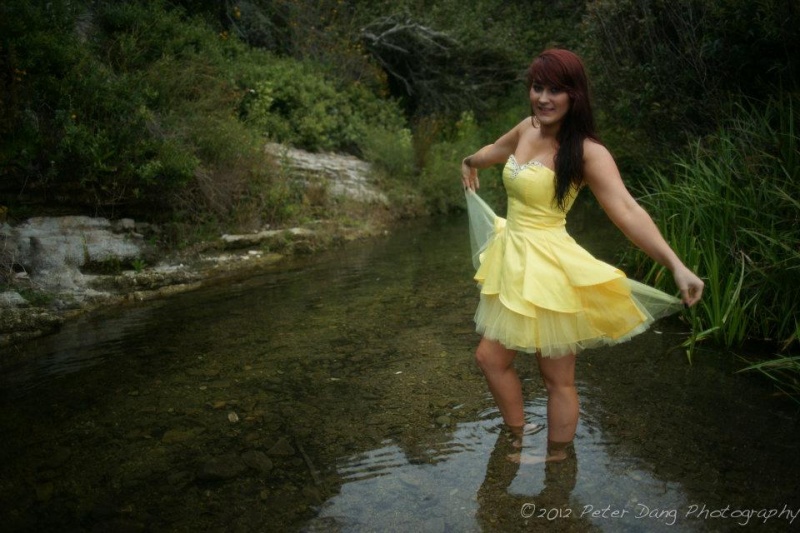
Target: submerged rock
x,y
21,324
257,460
282,447
180,479
222,467
443,420
174,436
44,491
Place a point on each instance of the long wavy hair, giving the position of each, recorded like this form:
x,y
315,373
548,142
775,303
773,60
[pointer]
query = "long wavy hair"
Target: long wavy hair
x,y
562,69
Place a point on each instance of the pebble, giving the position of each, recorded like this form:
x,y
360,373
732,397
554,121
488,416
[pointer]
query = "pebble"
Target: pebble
x,y
58,456
180,479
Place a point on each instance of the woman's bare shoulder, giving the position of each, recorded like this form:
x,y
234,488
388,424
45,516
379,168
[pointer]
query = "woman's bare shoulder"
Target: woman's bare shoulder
x,y
525,129
526,123
598,164
511,138
594,151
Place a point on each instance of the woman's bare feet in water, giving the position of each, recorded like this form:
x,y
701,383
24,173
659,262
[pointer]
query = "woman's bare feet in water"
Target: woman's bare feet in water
x,y
518,432
556,451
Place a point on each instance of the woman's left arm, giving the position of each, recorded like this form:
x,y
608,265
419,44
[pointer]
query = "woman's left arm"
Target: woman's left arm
x,y
602,176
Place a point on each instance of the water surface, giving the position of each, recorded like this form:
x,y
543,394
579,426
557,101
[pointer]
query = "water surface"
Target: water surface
x,y
338,393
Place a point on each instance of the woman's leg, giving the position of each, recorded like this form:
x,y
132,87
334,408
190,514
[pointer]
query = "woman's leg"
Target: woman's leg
x,y
562,401
497,363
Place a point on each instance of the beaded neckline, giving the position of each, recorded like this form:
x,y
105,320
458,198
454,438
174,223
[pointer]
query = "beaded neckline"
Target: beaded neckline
x,y
519,168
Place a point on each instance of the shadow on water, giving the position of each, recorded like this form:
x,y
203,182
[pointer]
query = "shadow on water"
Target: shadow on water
x,y
338,393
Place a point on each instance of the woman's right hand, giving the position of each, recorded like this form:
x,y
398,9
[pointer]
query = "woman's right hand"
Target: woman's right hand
x,y
469,175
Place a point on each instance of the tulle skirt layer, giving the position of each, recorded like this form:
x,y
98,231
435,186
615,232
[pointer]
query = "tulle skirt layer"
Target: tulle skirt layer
x,y
556,334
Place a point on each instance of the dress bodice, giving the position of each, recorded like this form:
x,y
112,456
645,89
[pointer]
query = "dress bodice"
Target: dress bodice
x,y
531,191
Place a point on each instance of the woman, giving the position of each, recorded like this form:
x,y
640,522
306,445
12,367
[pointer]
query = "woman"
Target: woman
x,y
541,292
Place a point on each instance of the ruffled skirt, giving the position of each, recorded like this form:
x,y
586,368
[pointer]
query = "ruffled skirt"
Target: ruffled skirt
x,y
555,334
542,292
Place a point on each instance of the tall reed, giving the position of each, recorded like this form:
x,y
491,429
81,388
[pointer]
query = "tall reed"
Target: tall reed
x,y
731,209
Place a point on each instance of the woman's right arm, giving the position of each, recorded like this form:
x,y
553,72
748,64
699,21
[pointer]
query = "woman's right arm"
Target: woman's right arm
x,y
489,155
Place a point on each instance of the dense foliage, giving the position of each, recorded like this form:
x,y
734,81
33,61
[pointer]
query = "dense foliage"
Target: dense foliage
x,y
668,69
128,107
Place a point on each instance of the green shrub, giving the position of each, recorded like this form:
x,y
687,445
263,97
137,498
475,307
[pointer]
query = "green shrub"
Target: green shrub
x,y
440,153
296,103
95,131
133,113
391,151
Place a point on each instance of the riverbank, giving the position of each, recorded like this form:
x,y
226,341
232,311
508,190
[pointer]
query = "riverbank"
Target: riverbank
x,y
58,268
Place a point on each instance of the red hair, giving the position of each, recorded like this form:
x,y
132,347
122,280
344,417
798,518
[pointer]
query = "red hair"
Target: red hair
x,y
562,69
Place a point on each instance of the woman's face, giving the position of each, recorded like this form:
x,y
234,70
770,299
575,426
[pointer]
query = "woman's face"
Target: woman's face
x,y
550,104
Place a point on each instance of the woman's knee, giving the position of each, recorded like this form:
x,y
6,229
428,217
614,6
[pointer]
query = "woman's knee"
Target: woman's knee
x,y
483,358
492,356
558,374
560,388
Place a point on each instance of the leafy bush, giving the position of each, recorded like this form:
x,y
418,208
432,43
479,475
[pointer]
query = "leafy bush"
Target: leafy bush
x,y
295,103
440,154
98,135
391,151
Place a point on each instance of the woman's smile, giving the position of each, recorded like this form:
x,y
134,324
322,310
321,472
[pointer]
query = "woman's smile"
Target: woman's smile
x,y
550,104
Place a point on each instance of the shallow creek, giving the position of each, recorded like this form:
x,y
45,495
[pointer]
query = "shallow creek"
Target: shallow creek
x,y
339,393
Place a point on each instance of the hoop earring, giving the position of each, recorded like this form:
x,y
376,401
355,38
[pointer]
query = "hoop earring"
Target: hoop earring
x,y
534,118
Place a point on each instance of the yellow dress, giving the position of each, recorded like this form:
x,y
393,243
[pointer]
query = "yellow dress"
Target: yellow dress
x,y
539,290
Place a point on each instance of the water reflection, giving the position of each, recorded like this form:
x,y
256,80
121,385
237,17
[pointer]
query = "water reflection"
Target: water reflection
x,y
339,393
474,481
504,505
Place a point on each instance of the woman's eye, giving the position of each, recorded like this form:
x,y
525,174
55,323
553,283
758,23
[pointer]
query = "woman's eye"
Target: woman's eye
x,y
541,88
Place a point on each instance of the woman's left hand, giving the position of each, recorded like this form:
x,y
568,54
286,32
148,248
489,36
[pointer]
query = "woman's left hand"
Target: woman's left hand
x,y
689,284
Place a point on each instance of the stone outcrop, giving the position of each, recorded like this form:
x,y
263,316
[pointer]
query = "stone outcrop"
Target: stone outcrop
x,y
52,251
342,175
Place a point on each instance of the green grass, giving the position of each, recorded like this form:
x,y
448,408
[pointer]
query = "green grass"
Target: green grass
x,y
731,211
